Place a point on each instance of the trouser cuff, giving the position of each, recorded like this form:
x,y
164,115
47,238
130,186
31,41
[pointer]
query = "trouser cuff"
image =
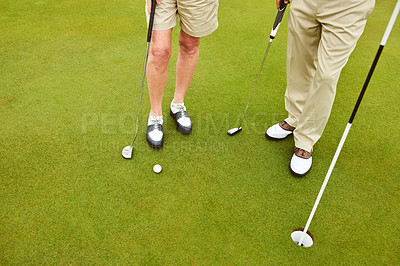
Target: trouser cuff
x,y
303,145
291,121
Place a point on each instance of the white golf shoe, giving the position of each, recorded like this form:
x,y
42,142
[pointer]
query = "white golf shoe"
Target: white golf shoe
x,y
301,162
279,131
181,117
155,135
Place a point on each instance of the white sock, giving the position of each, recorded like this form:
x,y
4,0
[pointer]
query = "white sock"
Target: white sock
x,y
155,119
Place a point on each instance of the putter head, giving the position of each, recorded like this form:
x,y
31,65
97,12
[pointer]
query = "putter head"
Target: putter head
x,y
127,152
234,131
299,235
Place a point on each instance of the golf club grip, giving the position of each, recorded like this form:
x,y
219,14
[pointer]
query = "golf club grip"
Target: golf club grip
x,y
151,21
278,19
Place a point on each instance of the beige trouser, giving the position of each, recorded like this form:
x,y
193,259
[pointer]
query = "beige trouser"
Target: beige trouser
x,y
321,36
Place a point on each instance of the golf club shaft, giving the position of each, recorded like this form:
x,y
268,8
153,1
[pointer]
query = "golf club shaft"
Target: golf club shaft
x,y
346,131
274,30
255,84
141,93
149,33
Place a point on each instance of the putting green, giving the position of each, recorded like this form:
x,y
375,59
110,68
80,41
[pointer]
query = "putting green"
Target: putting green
x,y
69,88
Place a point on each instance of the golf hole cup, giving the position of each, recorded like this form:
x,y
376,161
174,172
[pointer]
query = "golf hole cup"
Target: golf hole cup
x,y
306,238
157,168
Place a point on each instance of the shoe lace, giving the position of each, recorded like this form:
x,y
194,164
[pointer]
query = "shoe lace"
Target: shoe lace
x,y
302,153
157,123
181,109
284,125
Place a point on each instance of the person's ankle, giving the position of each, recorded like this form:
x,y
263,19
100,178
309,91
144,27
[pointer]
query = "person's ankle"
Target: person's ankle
x,y
174,101
156,112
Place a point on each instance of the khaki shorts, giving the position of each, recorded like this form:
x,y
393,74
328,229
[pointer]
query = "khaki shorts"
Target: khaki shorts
x,y
198,18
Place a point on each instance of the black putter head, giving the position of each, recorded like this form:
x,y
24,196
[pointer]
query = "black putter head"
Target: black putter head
x,y
234,131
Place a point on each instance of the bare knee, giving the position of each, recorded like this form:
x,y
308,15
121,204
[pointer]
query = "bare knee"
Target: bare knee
x,y
160,55
189,46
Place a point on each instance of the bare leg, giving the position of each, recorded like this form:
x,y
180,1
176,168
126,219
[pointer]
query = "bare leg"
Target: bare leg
x,y
160,53
186,64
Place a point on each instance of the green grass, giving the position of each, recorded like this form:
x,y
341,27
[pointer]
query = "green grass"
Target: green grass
x,y
69,88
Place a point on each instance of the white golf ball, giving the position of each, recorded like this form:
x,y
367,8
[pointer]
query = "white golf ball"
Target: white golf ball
x,y
157,168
